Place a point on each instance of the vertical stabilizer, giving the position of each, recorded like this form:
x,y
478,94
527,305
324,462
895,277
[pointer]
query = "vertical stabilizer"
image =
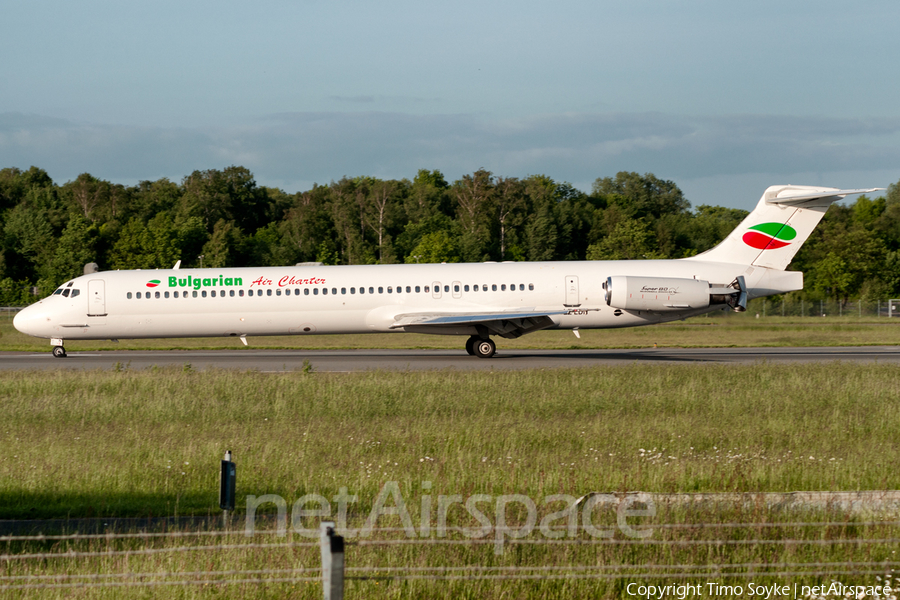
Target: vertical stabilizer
x,y
772,234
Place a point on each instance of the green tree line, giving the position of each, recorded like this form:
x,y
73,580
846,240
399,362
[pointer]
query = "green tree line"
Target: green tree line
x,y
222,218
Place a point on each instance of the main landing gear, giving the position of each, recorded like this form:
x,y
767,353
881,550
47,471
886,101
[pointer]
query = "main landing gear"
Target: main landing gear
x,y
480,347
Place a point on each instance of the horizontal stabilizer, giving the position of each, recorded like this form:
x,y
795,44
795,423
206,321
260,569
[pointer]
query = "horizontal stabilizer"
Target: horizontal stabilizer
x,y
791,196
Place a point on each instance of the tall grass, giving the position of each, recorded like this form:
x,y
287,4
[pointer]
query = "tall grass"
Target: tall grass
x,y
148,443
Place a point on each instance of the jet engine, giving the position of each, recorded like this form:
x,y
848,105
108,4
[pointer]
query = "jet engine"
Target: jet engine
x,y
663,294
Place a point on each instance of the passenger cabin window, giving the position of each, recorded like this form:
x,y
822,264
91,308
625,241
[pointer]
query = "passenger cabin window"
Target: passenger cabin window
x,y
128,295
494,287
531,287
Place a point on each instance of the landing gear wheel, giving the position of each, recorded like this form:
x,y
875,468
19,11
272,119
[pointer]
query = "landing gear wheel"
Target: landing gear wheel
x,y
484,348
470,345
59,352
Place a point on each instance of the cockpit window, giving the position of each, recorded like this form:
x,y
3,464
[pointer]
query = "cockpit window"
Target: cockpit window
x,y
75,292
66,293
58,292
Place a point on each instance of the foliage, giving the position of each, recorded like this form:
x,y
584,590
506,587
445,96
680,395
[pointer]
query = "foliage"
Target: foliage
x,y
49,231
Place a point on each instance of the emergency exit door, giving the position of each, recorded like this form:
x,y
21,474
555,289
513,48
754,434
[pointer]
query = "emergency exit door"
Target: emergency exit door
x,y
573,298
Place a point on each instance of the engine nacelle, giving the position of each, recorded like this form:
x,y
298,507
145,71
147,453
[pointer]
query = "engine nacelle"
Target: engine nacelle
x,y
657,294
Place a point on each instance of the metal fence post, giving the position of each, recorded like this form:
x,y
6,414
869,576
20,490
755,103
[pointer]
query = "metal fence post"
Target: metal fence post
x,y
332,547
227,481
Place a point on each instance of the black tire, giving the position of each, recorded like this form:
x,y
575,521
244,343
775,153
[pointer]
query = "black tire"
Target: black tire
x,y
484,348
59,352
470,345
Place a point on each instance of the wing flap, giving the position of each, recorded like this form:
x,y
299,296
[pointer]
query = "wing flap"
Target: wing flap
x,y
505,324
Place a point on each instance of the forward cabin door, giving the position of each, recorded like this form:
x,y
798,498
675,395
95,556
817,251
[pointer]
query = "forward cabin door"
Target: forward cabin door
x,y
573,298
96,298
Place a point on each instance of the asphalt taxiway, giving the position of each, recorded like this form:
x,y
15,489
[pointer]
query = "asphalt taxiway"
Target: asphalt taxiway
x,y
430,360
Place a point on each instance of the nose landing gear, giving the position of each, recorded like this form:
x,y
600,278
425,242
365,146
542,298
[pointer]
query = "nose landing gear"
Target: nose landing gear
x,y
58,350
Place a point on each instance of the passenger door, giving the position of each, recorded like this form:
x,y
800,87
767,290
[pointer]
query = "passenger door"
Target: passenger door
x,y
96,298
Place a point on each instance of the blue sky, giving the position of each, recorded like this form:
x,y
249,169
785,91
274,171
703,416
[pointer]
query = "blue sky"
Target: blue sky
x,y
724,99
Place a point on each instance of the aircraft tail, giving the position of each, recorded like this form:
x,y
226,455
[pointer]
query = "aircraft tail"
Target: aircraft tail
x,y
772,234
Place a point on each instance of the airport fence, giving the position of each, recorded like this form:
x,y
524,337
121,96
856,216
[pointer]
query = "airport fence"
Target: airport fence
x,y
841,552
8,312
763,307
782,307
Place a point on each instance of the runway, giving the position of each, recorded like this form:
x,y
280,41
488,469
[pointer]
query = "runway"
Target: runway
x,y
433,360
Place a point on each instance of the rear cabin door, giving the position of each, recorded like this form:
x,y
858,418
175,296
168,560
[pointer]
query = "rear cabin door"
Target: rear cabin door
x,y
96,298
573,298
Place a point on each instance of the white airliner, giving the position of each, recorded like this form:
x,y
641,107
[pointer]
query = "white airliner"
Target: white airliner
x,y
480,300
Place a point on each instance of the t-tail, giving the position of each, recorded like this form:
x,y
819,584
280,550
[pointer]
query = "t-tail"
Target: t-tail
x,y
772,234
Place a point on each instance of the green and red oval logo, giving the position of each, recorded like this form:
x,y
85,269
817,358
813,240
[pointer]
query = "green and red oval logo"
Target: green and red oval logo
x,y
769,236
153,283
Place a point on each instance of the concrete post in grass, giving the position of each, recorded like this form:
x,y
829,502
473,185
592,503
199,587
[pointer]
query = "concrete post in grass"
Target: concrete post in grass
x,y
332,546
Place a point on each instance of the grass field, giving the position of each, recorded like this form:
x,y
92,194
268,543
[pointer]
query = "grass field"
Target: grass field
x,y
149,443
725,330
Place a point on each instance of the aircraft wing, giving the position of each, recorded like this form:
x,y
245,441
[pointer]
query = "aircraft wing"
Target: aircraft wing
x,y
506,324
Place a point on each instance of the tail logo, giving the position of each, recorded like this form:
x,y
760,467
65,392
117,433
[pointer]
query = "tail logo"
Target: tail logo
x,y
769,236
153,283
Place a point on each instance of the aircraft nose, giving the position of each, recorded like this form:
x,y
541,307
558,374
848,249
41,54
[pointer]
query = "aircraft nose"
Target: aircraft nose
x,y
28,321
